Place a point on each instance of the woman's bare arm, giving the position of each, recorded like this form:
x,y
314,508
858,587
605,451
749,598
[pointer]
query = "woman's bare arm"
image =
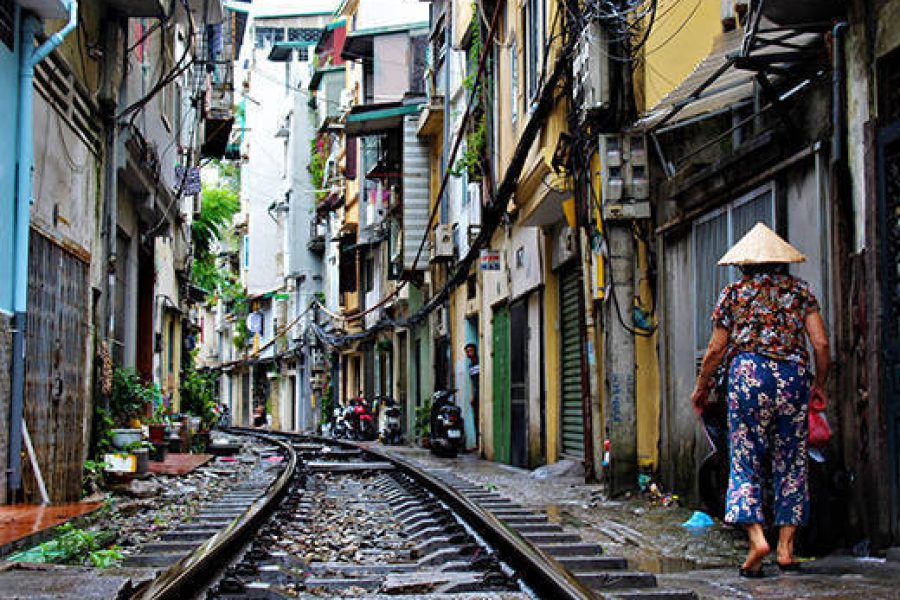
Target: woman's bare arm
x,y
818,337
715,352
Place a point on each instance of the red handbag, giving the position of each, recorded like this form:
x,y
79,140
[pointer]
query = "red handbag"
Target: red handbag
x,y
819,429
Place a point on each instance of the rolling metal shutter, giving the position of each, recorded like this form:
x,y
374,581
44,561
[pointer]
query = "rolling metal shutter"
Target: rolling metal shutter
x,y
416,171
570,365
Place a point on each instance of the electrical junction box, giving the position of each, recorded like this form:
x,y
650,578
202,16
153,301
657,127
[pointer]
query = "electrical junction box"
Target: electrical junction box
x,y
628,210
590,68
625,183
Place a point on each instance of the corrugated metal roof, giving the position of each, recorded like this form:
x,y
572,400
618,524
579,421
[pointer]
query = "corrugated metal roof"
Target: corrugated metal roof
x,y
731,86
728,86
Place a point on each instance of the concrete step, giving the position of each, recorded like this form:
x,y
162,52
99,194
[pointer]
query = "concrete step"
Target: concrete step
x,y
571,549
552,538
169,547
342,583
654,594
196,535
606,580
592,563
536,527
524,519
152,560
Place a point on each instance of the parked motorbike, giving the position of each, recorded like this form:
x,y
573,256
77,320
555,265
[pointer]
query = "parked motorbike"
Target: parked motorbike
x,y
391,432
363,426
340,422
446,435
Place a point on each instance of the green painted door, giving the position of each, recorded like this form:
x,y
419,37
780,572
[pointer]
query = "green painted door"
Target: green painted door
x,y
500,384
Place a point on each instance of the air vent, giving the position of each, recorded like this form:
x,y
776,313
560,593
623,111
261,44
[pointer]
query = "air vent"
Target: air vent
x,y
58,86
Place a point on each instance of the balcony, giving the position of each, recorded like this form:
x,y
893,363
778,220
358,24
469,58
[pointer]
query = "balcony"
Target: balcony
x,y
316,242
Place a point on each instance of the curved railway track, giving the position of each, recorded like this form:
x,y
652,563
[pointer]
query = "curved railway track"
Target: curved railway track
x,y
344,520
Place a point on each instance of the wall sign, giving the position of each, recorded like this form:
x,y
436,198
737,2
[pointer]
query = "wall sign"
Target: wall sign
x,y
490,260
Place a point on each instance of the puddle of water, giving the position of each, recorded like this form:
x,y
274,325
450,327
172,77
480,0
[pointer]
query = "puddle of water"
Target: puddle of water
x,y
662,564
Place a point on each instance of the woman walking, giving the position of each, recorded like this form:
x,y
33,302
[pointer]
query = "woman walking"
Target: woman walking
x,y
761,323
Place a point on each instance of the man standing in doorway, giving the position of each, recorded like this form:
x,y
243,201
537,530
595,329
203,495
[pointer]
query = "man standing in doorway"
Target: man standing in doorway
x,y
474,376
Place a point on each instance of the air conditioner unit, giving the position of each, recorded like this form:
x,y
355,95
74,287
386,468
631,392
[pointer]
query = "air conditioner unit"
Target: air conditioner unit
x,y
441,327
565,246
442,249
473,191
590,68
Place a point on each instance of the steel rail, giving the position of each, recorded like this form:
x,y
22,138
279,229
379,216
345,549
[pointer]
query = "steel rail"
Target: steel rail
x,y
537,569
186,577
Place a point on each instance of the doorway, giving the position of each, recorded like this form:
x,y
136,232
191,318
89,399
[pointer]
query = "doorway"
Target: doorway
x,y
518,382
500,384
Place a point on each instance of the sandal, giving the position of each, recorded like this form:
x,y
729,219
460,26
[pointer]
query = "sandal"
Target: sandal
x,y
756,573
791,567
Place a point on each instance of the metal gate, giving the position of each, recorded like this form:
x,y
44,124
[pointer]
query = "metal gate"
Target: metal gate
x,y
570,365
889,211
55,367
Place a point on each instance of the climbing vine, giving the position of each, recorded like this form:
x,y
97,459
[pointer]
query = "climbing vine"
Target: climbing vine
x,y
472,157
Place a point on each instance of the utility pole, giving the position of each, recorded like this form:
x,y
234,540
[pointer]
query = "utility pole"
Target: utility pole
x,y
620,411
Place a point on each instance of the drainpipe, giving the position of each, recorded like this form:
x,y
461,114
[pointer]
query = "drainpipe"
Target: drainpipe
x,y
837,92
30,57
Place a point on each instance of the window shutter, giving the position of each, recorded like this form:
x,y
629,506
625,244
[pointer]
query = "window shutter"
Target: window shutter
x,y
350,168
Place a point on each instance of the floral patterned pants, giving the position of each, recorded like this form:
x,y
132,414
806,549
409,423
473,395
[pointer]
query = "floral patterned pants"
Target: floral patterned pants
x,y
767,421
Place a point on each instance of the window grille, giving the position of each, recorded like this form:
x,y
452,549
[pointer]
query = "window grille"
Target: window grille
x,y
713,235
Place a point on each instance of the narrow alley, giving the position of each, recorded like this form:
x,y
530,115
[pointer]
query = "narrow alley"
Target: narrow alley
x,y
450,298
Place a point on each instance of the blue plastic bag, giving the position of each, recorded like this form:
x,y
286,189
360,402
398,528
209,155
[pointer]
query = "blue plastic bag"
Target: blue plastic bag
x,y
698,520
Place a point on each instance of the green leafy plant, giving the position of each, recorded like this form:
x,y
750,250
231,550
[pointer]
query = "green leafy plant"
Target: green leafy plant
x,y
92,477
104,559
130,396
318,154
103,423
241,334
218,209
198,394
473,155
423,419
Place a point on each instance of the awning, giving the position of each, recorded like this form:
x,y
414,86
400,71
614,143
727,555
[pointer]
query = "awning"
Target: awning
x,y
319,74
216,134
358,44
728,88
283,51
376,118
717,84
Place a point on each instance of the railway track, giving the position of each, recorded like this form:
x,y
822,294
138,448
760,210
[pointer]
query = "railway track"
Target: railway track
x,y
346,521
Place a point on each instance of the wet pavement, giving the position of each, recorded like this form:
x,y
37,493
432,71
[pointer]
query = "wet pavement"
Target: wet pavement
x,y
651,537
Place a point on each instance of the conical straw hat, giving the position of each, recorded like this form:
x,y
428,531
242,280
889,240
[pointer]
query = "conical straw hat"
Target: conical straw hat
x,y
761,245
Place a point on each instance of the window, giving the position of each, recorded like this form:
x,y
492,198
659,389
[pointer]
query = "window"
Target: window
x,y
303,54
266,36
713,235
246,252
534,44
8,23
303,34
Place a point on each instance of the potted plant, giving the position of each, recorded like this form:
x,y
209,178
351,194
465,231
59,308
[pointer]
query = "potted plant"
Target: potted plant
x,y
128,403
159,422
141,452
423,424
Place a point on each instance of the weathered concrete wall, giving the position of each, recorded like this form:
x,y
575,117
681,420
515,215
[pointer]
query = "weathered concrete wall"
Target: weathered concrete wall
x,y
5,363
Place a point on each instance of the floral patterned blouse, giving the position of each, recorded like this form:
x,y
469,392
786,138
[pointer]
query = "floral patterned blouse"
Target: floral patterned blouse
x,y
766,313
